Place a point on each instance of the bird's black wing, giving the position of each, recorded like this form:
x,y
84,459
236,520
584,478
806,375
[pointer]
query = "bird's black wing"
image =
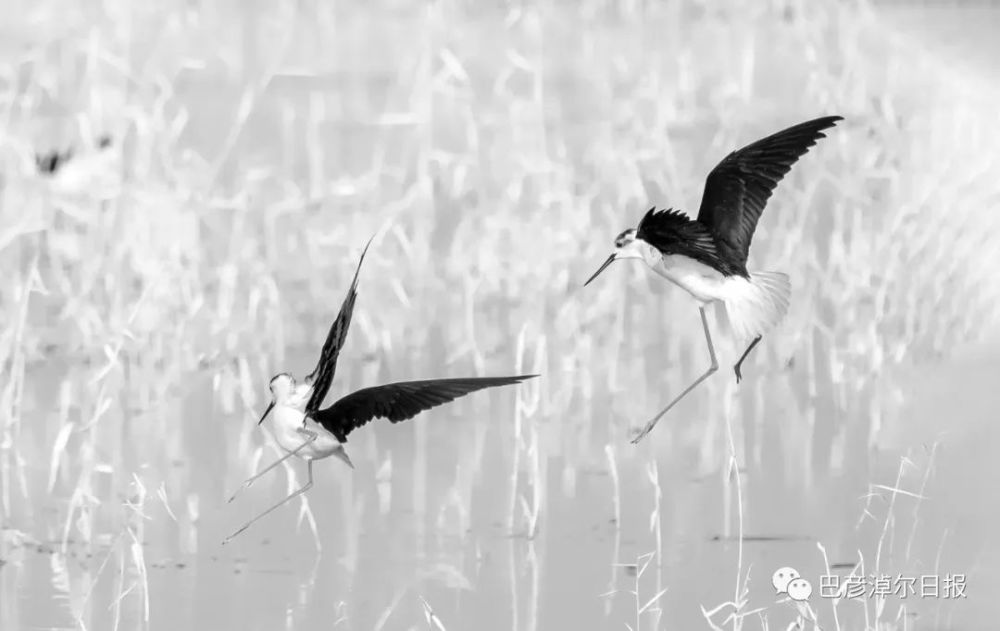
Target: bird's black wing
x,y
738,188
400,401
672,232
322,376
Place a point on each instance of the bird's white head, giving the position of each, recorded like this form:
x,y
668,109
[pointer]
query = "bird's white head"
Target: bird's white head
x,y
627,246
282,386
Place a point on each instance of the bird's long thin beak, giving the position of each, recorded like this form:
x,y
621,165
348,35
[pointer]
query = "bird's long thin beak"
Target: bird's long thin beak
x,y
270,406
611,259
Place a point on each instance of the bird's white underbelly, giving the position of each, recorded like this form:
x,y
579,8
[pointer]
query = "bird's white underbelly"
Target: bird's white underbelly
x,y
284,424
701,281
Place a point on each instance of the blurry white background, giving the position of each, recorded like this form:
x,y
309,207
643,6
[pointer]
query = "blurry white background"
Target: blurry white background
x,y
150,288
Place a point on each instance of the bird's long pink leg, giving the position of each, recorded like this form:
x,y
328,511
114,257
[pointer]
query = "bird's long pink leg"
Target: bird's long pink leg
x,y
256,476
305,487
715,366
739,364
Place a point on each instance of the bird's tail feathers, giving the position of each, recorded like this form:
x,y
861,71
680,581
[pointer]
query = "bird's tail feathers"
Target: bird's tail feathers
x,y
757,305
341,453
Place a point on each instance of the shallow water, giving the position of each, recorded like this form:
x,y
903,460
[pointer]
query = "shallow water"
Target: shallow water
x,y
427,514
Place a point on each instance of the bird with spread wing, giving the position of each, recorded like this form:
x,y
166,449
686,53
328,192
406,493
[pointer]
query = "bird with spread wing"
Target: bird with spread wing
x,y
707,256
301,428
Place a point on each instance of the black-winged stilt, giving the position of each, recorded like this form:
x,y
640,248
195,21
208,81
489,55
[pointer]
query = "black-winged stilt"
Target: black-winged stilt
x,y
707,256
302,429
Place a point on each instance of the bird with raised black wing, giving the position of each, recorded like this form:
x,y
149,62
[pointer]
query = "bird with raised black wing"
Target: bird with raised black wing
x,y
707,256
304,430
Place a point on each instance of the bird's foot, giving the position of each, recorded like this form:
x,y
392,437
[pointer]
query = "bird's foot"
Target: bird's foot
x,y
739,374
640,434
233,536
246,485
